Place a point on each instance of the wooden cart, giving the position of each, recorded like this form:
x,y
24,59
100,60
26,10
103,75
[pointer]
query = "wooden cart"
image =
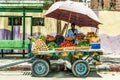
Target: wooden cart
x,y
76,60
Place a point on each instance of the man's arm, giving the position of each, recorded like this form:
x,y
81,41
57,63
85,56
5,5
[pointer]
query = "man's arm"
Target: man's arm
x,y
67,34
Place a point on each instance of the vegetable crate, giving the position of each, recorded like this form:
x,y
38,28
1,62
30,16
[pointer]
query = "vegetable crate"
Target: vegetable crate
x,y
78,61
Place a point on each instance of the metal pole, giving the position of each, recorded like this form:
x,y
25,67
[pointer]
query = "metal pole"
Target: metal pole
x,y
12,28
12,31
58,26
23,31
31,29
97,29
68,23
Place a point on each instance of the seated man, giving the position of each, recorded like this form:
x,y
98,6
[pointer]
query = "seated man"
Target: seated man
x,y
72,32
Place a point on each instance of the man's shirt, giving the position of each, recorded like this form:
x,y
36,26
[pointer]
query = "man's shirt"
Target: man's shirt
x,y
71,34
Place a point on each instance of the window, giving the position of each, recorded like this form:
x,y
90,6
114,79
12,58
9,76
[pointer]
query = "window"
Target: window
x,y
16,21
38,21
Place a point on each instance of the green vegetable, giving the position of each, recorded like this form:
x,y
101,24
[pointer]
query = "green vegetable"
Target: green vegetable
x,y
83,43
43,38
52,45
34,38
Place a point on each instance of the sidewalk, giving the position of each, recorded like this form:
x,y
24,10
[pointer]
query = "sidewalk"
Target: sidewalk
x,y
110,63
22,66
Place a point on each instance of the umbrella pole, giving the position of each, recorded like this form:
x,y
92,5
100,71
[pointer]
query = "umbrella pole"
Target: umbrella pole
x,y
68,24
96,30
64,28
67,28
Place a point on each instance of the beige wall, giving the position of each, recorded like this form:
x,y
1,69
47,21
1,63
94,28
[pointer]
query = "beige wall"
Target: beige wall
x,y
110,20
110,23
50,24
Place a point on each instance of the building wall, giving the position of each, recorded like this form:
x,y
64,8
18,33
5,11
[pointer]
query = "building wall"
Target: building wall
x,y
110,22
106,3
94,4
118,4
66,0
50,24
109,26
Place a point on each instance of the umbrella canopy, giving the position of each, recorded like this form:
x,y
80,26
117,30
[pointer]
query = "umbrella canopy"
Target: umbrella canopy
x,y
73,12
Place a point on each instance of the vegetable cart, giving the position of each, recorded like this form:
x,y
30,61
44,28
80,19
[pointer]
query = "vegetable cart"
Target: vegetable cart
x,y
76,60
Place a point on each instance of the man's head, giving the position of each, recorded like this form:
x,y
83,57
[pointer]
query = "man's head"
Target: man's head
x,y
73,26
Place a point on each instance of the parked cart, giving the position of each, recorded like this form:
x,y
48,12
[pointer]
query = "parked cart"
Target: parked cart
x,y
76,60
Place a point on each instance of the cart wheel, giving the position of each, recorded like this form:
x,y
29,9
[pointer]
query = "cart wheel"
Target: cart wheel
x,y
40,68
80,68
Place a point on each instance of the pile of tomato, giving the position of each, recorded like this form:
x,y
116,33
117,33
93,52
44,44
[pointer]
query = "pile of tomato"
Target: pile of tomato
x,y
67,44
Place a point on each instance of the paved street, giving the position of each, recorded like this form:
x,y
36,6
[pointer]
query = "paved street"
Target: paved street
x,y
26,75
18,72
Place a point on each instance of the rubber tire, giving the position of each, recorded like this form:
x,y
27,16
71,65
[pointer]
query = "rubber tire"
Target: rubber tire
x,y
83,62
45,63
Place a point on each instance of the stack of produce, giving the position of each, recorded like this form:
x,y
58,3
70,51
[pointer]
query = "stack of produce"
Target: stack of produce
x,y
50,38
52,45
34,38
83,43
92,37
39,46
59,39
79,36
68,39
42,37
67,44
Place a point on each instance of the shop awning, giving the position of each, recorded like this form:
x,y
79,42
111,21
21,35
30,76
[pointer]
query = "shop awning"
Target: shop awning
x,y
20,5
28,7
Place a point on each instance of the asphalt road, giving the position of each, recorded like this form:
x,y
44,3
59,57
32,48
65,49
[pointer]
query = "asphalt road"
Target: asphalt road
x,y
60,75
26,75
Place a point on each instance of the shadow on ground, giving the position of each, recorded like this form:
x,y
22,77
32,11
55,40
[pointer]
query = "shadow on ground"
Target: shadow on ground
x,y
13,56
67,74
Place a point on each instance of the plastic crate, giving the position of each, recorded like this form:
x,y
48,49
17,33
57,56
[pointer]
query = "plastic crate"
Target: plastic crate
x,y
95,46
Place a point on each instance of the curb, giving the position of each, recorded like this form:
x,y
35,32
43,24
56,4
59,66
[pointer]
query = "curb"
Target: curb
x,y
103,67
22,67
110,68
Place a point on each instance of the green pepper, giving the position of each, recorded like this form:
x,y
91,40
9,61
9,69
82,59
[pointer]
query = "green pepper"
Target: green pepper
x,y
52,45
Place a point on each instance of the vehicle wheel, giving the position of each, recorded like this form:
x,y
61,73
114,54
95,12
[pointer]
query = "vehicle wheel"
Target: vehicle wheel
x,y
80,68
40,68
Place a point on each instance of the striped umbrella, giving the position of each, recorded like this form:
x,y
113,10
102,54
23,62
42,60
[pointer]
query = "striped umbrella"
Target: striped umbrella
x,y
73,12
